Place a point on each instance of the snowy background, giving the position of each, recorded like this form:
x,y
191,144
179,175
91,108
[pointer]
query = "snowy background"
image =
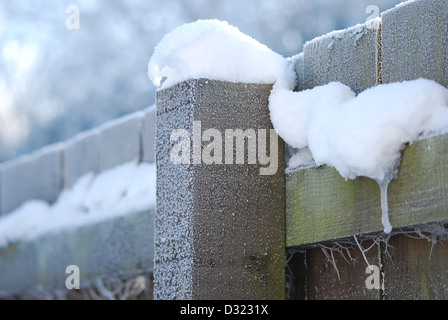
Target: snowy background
x,y
56,82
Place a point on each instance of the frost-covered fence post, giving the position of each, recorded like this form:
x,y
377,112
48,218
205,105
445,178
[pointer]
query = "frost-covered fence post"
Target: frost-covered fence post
x,y
220,225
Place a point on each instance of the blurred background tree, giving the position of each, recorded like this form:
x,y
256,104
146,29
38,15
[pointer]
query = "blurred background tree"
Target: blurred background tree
x,y
56,82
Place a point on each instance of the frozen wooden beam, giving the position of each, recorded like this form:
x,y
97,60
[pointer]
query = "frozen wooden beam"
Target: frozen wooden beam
x,y
350,56
220,227
415,41
321,205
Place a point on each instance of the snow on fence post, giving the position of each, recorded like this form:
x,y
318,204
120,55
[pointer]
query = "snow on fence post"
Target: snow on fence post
x,y
219,228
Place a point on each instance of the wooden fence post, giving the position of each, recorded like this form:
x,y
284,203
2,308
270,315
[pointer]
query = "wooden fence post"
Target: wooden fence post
x,y
220,227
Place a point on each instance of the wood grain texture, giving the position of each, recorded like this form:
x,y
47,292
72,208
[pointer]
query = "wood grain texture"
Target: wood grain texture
x,y
323,282
321,205
415,269
349,56
414,42
219,228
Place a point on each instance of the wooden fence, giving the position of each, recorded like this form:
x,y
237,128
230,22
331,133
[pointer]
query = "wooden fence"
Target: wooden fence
x,y
222,230
326,215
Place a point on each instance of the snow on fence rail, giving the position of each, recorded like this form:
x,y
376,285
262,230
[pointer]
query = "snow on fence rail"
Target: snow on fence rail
x,y
327,216
222,228
88,201
363,57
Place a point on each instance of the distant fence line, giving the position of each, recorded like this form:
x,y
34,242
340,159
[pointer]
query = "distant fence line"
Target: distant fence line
x,y
44,173
119,246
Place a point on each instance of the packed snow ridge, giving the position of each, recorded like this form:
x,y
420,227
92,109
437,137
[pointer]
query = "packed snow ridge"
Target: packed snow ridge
x,y
123,190
358,135
215,50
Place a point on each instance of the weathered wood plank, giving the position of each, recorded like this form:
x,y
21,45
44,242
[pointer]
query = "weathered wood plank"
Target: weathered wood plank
x,y
323,282
295,274
415,269
321,205
414,42
420,194
219,228
349,56
119,246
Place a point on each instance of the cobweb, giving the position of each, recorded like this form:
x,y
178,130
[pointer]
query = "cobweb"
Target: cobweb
x,y
435,232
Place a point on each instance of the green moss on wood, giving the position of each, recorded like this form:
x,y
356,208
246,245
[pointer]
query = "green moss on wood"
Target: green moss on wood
x,y
321,205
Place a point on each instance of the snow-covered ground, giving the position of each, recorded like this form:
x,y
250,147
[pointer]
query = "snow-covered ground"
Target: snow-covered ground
x,y
123,190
